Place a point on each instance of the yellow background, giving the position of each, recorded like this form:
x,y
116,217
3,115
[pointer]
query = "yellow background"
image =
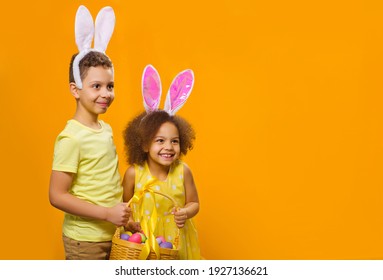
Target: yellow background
x,y
287,108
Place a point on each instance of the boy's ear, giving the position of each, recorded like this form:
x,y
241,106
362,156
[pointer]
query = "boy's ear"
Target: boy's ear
x,y
74,90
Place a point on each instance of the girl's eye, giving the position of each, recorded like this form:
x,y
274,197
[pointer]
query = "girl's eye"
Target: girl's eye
x,y
175,141
96,86
159,140
110,87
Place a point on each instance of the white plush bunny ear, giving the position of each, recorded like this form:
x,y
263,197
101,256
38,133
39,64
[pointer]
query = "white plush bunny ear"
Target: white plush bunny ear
x,y
84,31
105,22
179,91
151,88
84,28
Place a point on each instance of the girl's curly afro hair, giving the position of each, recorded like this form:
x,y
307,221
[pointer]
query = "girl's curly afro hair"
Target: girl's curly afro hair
x,y
141,130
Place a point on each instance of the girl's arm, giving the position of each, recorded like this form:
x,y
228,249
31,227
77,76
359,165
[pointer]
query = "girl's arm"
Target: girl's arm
x,y
128,185
191,207
60,198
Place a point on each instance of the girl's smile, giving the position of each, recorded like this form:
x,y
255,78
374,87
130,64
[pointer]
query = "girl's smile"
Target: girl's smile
x,y
167,156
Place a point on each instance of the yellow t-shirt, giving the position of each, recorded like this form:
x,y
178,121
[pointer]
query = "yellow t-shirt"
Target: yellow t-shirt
x,y
156,209
91,155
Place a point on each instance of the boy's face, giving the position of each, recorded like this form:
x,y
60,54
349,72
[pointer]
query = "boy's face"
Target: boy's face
x,y
97,92
165,146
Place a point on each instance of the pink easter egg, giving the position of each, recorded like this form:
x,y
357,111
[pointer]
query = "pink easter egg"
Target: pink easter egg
x,y
160,239
136,238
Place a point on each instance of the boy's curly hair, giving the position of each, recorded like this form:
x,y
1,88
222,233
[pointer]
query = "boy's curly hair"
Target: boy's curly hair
x,y
92,59
141,130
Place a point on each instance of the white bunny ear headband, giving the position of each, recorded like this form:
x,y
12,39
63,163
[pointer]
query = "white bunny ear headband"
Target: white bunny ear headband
x,y
179,90
85,29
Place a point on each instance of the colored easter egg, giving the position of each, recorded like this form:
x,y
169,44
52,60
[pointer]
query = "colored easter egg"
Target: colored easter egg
x,y
160,239
167,245
136,238
124,236
143,237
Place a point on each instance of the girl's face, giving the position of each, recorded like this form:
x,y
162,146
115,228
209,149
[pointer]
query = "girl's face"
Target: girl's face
x,y
165,146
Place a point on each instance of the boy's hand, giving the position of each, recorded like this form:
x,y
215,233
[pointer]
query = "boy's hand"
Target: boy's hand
x,y
180,217
118,215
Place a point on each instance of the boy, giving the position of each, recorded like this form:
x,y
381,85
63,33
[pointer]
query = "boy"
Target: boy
x,y
85,182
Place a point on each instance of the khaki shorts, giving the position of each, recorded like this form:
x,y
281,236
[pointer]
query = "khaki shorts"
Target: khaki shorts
x,y
84,250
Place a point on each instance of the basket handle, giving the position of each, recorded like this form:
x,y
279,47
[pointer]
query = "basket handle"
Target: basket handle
x,y
156,192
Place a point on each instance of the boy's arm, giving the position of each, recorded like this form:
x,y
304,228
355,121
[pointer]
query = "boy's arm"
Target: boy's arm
x,y
191,207
60,198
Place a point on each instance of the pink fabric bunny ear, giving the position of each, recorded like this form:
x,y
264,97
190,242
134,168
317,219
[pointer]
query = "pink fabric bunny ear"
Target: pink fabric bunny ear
x,y
105,22
151,88
84,28
179,91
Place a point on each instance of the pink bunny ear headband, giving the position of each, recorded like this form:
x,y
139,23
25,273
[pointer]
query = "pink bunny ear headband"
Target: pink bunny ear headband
x,y
102,31
179,90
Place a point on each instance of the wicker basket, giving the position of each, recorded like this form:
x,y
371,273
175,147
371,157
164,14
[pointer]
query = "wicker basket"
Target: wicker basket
x,y
125,250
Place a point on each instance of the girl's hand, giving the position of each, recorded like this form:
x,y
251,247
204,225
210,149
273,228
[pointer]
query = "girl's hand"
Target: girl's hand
x,y
133,226
118,215
180,217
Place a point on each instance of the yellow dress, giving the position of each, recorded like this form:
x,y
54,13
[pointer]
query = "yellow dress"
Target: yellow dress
x,y
153,211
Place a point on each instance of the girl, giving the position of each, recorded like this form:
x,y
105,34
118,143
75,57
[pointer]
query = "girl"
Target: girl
x,y
155,141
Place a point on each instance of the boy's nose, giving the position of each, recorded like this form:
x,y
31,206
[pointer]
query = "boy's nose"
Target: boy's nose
x,y
105,93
